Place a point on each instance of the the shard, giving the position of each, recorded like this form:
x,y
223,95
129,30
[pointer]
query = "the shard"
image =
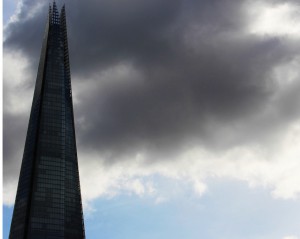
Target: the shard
x,y
48,201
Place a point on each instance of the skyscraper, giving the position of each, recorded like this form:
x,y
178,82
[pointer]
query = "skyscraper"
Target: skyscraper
x,y
48,202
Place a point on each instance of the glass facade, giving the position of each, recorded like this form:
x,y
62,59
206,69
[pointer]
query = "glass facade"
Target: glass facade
x,y
48,202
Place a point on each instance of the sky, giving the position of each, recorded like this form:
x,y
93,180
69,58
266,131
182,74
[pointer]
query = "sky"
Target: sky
x,y
186,112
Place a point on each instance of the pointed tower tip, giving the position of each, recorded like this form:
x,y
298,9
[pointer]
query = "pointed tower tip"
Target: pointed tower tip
x,y
54,14
54,5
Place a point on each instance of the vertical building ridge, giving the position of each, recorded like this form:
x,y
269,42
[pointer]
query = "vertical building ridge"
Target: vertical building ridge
x,y
48,201
54,18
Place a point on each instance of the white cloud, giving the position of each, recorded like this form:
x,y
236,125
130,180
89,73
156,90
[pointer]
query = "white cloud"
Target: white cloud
x,y
135,186
274,19
9,193
290,237
199,187
17,94
17,5
160,200
276,171
32,11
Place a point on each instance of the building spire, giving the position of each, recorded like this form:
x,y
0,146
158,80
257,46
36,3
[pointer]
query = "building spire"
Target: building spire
x,y
54,17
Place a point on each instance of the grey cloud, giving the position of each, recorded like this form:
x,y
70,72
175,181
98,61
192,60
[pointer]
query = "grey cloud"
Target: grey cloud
x,y
197,69
14,131
180,98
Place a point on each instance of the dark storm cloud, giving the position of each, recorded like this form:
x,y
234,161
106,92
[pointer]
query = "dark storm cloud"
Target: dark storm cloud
x,y
176,104
196,72
26,34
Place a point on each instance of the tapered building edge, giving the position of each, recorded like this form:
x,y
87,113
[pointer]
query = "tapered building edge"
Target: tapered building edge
x,y
23,202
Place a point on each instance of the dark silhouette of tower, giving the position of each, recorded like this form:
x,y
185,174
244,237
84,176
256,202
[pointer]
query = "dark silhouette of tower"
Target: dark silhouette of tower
x,y
48,202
